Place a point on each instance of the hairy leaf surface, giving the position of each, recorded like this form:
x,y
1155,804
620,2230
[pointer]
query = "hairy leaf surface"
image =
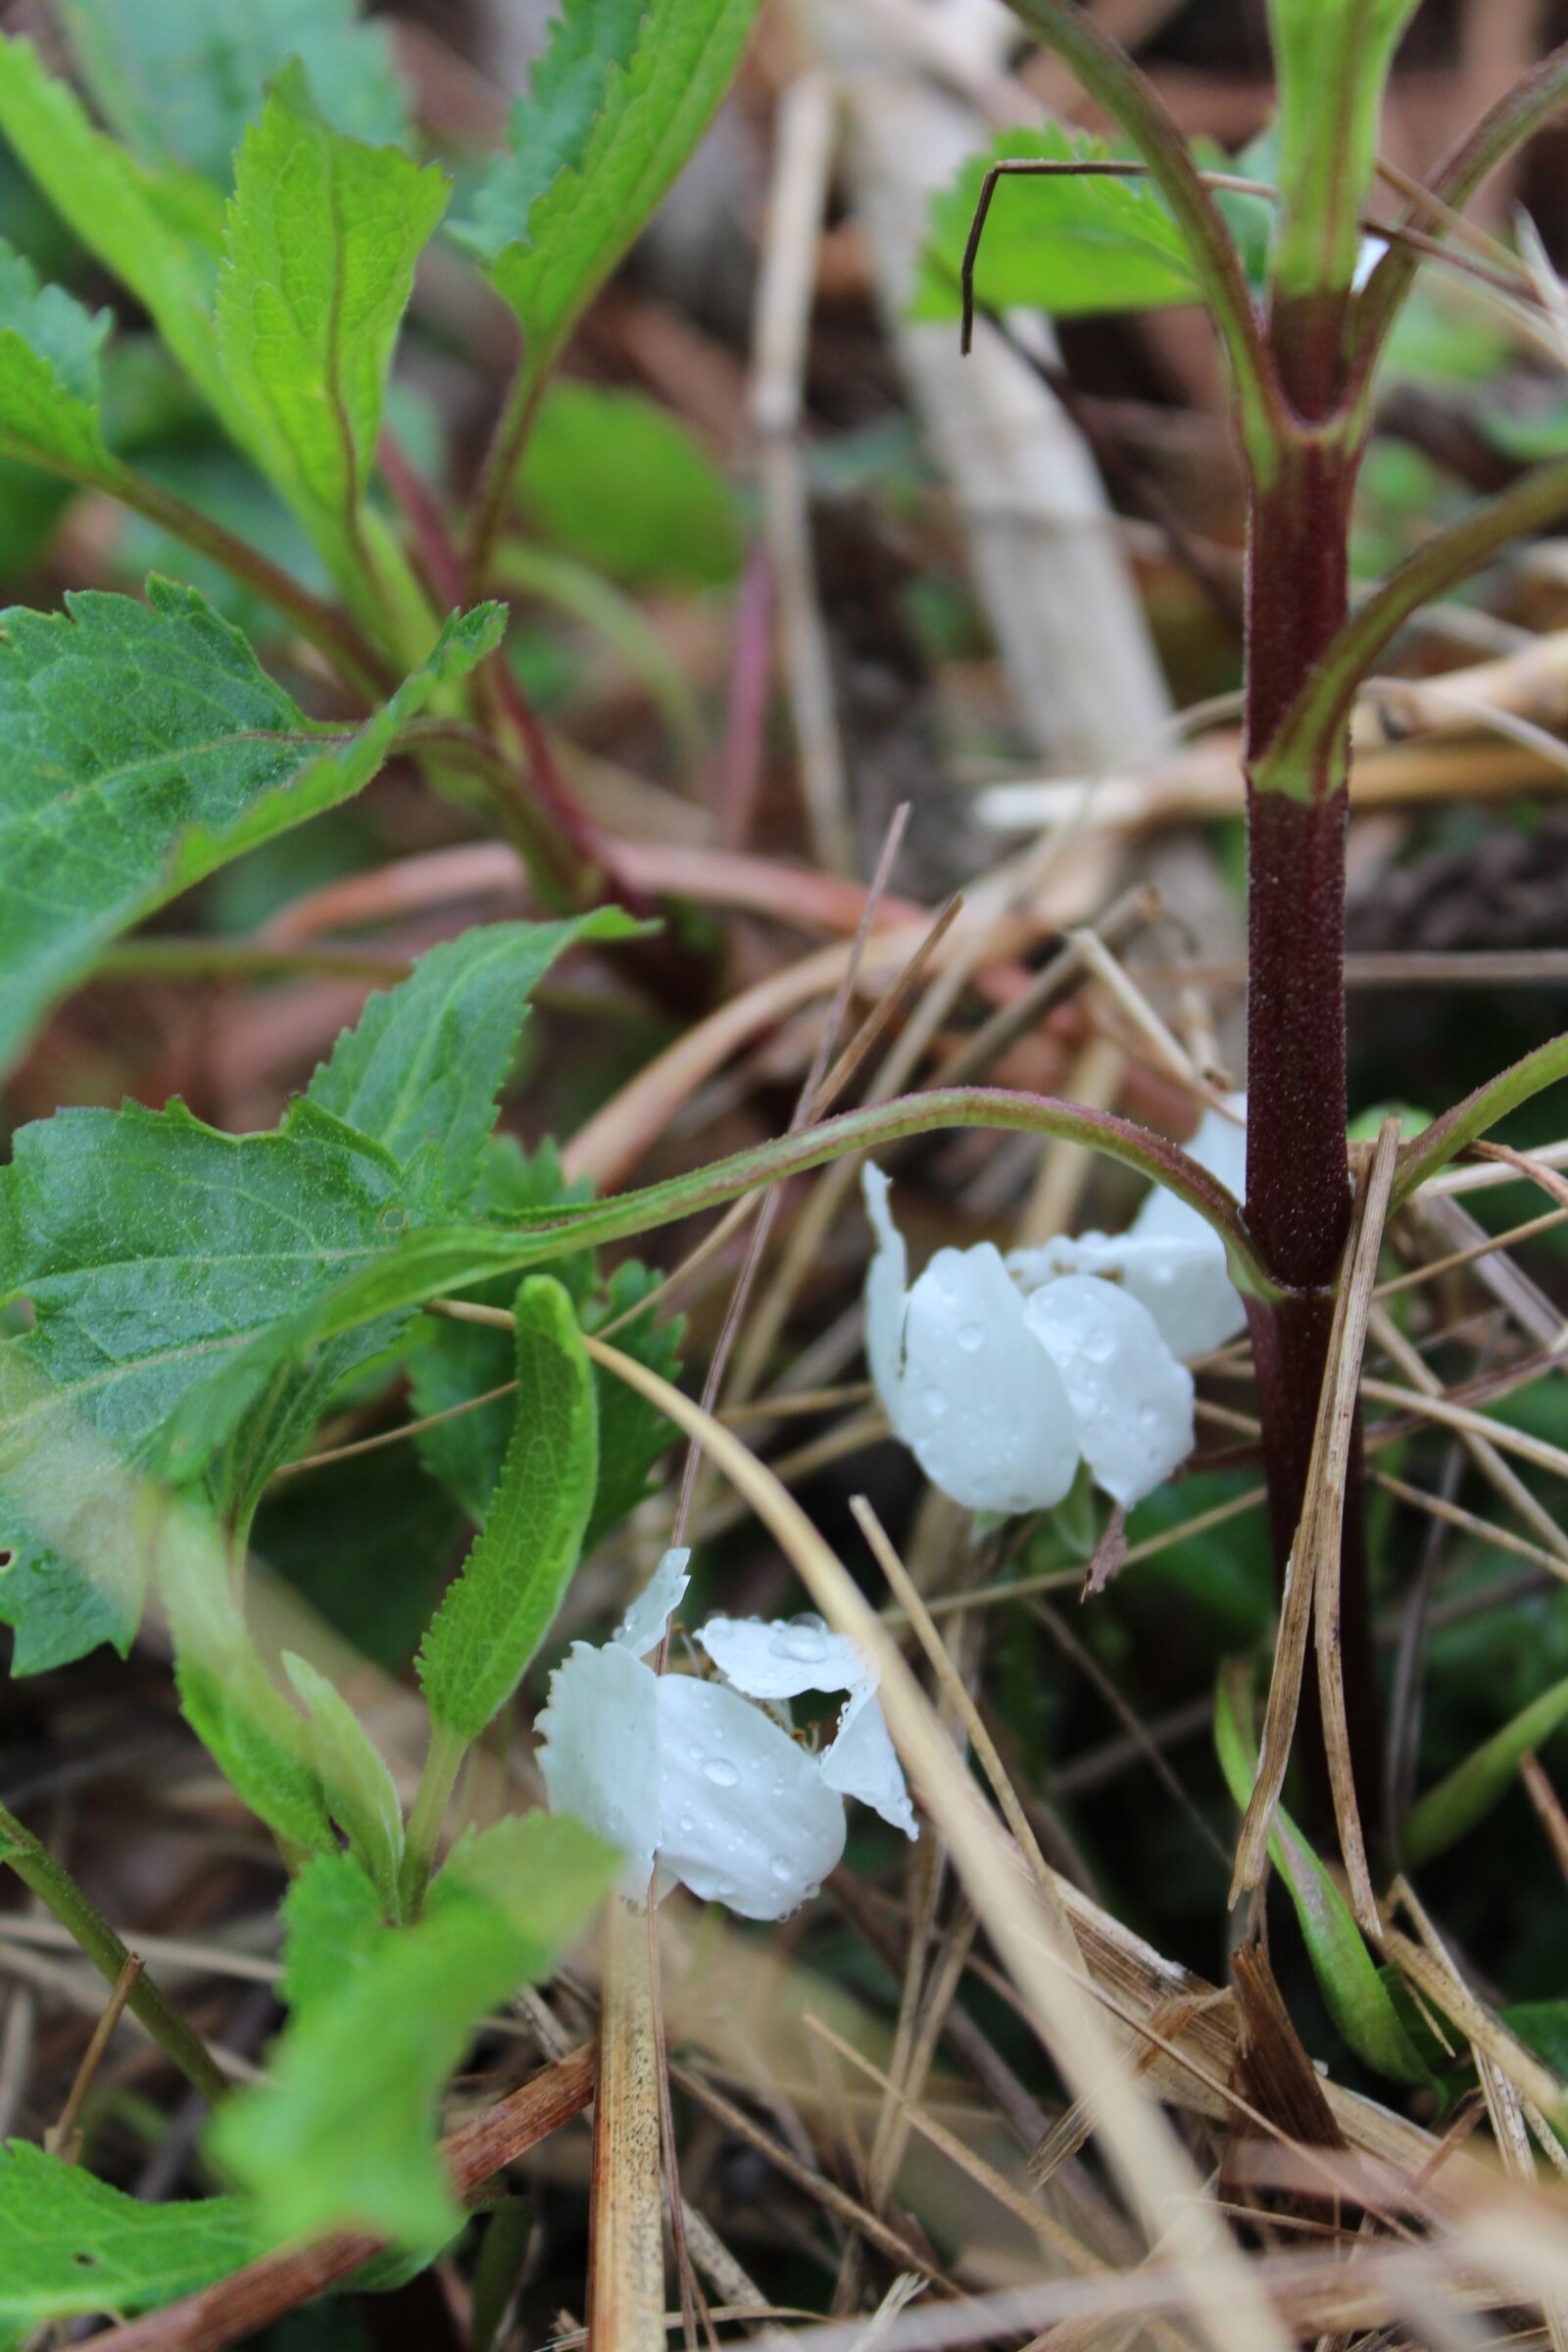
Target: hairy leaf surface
x,y
499,1610
71,2245
621,97
424,1063
141,747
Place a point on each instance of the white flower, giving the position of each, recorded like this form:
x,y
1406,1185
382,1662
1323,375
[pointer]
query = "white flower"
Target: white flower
x,y
1000,1375
698,1774
1170,1259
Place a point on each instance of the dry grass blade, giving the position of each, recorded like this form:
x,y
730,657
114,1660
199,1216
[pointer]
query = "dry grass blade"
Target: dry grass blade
x,y
1356,1287
1312,1576
1149,2161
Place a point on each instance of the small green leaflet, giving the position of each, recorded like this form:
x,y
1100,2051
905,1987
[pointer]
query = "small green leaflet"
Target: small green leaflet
x,y
1067,245
343,2132
323,236
1353,1993
259,1743
179,81
49,349
623,92
499,1610
141,747
157,231
1468,1794
422,1068
357,1784
71,2245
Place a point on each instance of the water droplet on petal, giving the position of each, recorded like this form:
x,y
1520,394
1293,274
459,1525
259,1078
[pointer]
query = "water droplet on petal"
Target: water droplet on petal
x,y
721,1772
799,1641
780,1868
972,1338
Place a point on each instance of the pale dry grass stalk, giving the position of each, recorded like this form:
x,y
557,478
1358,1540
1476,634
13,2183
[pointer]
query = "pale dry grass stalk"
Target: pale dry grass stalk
x,y
1312,1582
626,2238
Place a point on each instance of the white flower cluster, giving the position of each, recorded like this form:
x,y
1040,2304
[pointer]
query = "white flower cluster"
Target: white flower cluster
x,y
1000,1375
708,1775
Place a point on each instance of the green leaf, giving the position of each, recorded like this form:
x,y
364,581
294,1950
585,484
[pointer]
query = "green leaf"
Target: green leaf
x,y
1068,245
499,1610
257,1739
157,231
1353,1993
423,1065
334,1922
71,2245
323,236
357,1784
343,2133
632,1433
615,481
179,81
143,747
1441,1817
1331,61
623,92
49,349
152,1248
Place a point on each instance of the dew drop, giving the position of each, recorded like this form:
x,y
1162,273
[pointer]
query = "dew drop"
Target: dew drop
x,y
972,1338
721,1772
780,1868
936,1404
801,1643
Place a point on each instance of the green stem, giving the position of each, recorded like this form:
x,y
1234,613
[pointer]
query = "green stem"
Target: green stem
x,y
436,1784
438,1262
59,1893
1425,1153
500,461
1111,77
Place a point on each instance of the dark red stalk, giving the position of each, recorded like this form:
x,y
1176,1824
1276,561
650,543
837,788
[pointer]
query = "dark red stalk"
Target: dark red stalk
x,y
1297,1173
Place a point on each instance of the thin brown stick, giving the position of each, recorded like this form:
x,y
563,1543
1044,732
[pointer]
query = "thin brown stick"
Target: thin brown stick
x,y
62,2140
254,2297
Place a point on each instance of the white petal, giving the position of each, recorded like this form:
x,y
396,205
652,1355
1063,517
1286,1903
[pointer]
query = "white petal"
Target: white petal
x,y
642,1628
982,1407
863,1763
1133,1401
744,1816
600,1752
885,1285
1219,1145
1183,1282
775,1658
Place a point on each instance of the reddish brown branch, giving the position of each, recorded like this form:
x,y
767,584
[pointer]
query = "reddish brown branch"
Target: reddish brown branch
x,y
263,2290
